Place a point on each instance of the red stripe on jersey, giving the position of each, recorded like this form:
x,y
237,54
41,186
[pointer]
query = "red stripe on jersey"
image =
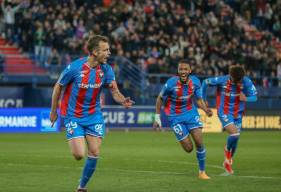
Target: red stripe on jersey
x,y
167,108
178,99
218,99
227,97
237,101
65,99
82,91
95,91
189,93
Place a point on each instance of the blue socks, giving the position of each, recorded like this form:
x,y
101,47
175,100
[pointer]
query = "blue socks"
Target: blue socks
x,y
89,169
201,156
232,141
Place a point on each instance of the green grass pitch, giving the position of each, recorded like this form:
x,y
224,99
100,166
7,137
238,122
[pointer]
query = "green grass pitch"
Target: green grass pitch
x,y
139,162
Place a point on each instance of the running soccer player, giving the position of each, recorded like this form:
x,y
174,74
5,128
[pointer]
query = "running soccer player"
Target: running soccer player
x,y
83,81
233,91
184,119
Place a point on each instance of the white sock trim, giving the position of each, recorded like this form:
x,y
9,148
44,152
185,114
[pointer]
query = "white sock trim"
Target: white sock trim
x,y
93,157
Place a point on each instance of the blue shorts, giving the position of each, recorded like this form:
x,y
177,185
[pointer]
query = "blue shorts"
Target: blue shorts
x,y
182,128
229,119
75,129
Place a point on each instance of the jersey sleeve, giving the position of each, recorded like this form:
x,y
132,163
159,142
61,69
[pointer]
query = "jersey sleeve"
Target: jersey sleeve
x,y
67,75
109,76
250,89
166,89
213,81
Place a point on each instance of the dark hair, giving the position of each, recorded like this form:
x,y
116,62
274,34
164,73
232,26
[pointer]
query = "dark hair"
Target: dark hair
x,y
93,42
185,61
236,72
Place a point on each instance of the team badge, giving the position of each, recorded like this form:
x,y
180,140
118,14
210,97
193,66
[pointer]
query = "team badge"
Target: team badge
x,y
70,131
101,74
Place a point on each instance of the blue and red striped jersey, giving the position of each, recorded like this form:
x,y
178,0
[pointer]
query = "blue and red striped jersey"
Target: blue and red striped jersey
x,y
228,94
83,85
178,95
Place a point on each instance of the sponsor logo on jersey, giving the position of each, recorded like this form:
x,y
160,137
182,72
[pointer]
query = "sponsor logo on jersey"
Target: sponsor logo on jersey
x,y
231,94
185,97
177,88
86,86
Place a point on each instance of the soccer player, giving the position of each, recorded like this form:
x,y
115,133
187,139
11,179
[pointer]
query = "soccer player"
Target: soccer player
x,y
233,91
177,95
83,81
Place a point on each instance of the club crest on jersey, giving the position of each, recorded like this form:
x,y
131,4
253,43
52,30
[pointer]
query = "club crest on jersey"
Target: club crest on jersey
x,y
101,74
82,73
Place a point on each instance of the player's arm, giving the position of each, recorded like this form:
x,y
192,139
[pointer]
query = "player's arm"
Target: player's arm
x,y
199,98
250,93
66,77
118,96
157,120
55,102
213,81
202,105
159,101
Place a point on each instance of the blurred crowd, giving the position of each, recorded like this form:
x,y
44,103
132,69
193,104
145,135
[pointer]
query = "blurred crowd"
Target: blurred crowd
x,y
264,14
153,34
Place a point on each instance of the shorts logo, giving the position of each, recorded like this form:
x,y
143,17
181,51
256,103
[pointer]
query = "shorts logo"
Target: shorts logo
x,y
99,129
224,118
70,131
70,127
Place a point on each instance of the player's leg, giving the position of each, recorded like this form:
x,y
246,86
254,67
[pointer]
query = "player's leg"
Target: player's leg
x,y
186,144
94,136
236,135
75,136
231,143
230,147
196,134
77,147
91,162
182,136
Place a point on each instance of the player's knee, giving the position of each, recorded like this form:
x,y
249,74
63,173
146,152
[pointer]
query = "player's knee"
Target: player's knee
x,y
78,156
188,149
94,152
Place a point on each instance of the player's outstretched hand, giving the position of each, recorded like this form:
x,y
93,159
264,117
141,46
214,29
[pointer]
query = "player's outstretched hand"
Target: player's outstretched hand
x,y
242,97
127,103
209,112
206,103
53,117
157,125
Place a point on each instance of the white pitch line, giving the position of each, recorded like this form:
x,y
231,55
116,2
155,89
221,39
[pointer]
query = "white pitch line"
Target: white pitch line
x,y
141,171
190,163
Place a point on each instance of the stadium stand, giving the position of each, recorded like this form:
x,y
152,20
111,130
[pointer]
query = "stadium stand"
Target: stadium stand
x,y
150,36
